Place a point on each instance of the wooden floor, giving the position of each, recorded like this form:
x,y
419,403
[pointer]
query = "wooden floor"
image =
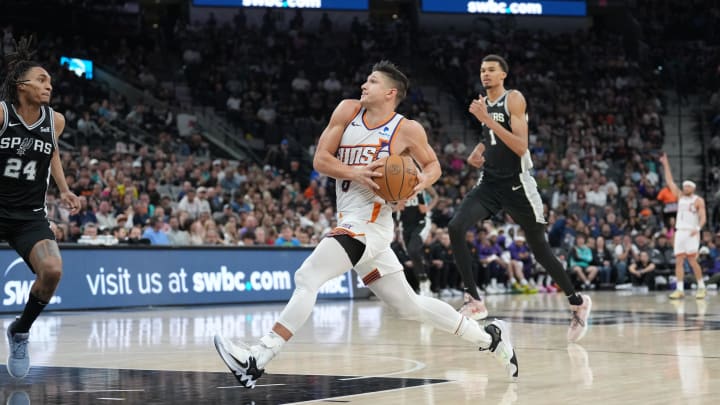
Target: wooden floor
x,y
641,349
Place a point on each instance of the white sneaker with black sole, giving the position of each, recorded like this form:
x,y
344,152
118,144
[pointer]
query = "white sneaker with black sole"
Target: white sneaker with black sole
x,y
501,347
245,362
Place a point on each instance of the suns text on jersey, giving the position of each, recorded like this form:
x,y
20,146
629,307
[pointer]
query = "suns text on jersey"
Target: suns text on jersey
x,y
357,155
38,145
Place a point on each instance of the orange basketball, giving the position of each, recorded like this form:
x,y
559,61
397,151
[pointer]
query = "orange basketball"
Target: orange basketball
x,y
398,180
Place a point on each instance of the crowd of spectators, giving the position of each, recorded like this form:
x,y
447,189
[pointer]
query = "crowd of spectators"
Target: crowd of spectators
x,y
594,141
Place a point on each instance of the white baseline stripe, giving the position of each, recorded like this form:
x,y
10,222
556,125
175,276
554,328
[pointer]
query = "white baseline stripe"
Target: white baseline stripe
x,y
370,393
96,391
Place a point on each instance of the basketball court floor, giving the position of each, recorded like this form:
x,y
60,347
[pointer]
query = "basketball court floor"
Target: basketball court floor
x,y
641,349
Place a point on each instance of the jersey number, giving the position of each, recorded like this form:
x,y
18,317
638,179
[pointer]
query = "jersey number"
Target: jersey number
x,y
345,185
493,141
14,166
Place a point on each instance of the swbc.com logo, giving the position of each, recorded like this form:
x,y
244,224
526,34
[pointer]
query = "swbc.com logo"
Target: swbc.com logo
x,y
15,290
283,3
500,7
125,281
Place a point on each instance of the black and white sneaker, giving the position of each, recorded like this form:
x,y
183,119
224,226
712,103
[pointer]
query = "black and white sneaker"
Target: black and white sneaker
x,y
501,347
241,359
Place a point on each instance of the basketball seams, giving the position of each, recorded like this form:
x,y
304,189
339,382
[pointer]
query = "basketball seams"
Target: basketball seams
x,y
394,182
387,182
402,179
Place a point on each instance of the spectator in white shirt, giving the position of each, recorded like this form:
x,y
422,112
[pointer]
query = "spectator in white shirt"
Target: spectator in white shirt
x,y
190,204
595,196
105,218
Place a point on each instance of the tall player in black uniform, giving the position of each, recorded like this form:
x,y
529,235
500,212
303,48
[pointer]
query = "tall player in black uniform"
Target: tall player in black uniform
x,y
506,183
28,155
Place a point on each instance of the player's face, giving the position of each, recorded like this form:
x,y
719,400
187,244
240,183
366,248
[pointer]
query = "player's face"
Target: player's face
x,y
36,86
688,190
376,89
491,74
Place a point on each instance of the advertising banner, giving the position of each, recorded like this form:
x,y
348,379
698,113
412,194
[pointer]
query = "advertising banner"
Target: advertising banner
x,y
573,8
101,277
302,4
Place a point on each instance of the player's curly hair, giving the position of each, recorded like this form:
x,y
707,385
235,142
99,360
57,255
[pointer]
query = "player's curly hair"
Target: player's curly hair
x,y
18,64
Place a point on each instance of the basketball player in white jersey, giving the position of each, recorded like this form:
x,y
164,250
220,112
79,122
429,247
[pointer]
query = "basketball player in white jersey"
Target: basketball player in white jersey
x,y
690,220
360,132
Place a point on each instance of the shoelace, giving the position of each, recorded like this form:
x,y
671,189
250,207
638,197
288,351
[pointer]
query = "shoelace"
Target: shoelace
x,y
576,318
20,349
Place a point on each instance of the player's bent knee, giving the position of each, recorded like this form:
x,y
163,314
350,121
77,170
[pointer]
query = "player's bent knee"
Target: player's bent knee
x,y
302,279
50,271
313,274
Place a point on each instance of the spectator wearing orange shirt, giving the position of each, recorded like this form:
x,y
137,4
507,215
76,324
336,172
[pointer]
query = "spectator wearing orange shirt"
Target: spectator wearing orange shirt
x,y
669,203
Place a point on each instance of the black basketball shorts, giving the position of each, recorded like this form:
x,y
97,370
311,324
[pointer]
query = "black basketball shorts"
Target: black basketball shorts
x,y
518,196
23,235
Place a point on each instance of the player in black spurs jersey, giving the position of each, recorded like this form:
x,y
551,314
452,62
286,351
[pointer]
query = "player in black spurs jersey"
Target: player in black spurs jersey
x,y
506,183
28,155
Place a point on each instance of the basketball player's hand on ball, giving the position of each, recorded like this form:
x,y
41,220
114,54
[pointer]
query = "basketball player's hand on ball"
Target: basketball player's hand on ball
x,y
365,174
71,201
478,108
423,182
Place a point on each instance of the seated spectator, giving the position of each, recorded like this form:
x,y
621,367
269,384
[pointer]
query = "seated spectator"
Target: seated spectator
x,y
602,259
90,235
84,215
642,271
521,266
155,233
286,237
135,237
212,237
622,255
248,239
190,203
581,262
176,235
105,217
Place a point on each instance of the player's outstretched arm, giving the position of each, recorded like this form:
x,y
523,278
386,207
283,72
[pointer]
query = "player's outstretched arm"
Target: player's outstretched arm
x,y
668,175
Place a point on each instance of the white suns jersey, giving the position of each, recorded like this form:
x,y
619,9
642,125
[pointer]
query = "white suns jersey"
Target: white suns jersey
x,y
687,214
359,146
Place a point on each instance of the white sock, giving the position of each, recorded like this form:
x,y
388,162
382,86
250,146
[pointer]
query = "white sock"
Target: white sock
x,y
474,333
270,345
273,341
701,284
523,282
680,286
